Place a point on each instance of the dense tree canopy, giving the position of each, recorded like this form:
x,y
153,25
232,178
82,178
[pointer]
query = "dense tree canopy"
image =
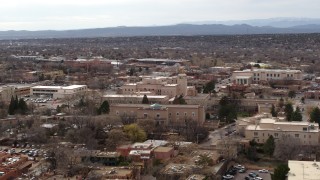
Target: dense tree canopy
x,y
280,172
315,115
269,146
209,87
145,100
288,109
135,133
104,108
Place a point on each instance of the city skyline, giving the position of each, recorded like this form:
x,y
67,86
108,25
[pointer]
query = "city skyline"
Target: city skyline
x,y
72,14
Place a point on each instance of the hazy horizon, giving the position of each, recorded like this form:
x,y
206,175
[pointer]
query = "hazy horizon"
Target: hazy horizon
x,y
81,14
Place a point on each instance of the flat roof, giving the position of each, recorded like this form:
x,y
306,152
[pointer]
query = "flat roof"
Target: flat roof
x,y
303,170
165,105
134,96
267,121
59,87
163,149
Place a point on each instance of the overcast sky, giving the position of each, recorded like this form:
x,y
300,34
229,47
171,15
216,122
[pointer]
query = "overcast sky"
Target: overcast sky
x,y
76,14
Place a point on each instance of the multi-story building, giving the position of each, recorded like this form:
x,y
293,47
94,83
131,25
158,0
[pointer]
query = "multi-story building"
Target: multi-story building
x,y
306,132
135,98
57,92
170,86
6,92
161,114
260,76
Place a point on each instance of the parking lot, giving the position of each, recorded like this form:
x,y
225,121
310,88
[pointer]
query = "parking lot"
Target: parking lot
x,y
241,176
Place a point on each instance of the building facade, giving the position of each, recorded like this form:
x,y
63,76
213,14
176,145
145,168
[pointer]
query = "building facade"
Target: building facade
x,y
57,92
261,76
307,133
161,114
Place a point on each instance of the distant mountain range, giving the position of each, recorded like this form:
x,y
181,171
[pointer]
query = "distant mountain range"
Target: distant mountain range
x,y
266,26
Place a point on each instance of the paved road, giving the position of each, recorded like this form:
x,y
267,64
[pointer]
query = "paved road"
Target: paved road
x,y
218,134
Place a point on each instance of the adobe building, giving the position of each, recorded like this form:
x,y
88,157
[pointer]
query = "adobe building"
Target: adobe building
x,y
264,76
307,133
161,114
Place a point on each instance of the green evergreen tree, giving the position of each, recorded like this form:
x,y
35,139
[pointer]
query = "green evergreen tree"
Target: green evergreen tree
x,y
145,100
209,87
104,108
288,109
280,172
23,107
16,103
269,146
291,94
296,116
273,111
11,109
182,100
315,115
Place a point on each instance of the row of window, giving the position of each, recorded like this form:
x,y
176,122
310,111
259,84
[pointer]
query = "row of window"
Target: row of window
x,y
277,135
41,90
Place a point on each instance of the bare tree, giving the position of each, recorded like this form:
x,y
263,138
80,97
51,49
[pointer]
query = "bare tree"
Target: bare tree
x,y
287,147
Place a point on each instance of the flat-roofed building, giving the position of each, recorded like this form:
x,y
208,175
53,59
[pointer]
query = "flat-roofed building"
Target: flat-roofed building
x,y
303,170
261,76
57,92
170,86
307,133
20,90
161,114
135,98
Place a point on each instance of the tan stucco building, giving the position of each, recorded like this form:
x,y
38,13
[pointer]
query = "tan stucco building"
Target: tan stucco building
x,y
170,86
306,132
260,76
161,114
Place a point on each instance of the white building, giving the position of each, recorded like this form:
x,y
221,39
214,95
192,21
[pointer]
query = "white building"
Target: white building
x,y
304,170
57,92
307,133
248,76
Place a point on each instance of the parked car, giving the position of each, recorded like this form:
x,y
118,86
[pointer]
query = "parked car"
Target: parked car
x,y
228,176
243,170
258,178
239,166
253,174
263,171
247,178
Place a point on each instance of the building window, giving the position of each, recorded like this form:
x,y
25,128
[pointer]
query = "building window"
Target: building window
x,y
309,136
262,134
255,133
158,115
296,135
145,115
169,114
276,134
267,75
177,113
185,114
193,114
117,112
